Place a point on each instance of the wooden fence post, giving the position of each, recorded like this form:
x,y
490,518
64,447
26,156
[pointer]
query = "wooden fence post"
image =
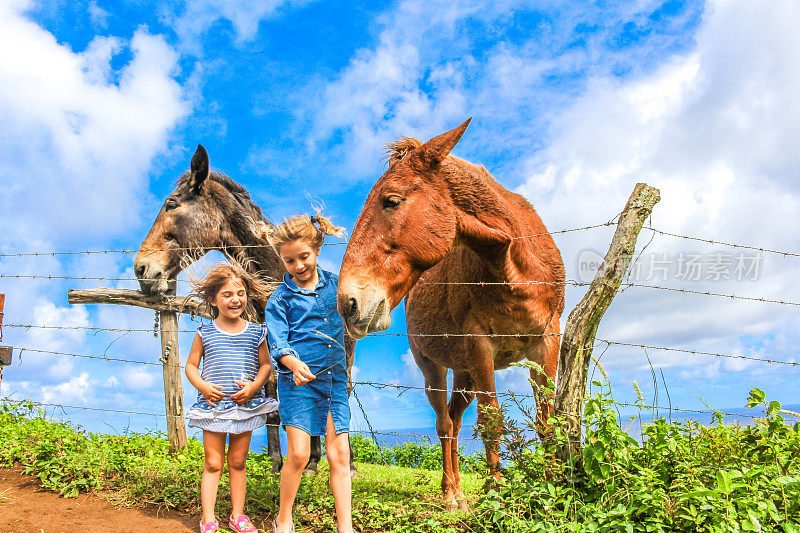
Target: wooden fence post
x,y
173,384
168,308
579,332
5,351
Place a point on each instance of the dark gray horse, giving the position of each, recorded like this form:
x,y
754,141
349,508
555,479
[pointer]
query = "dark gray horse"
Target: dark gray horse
x,y
209,211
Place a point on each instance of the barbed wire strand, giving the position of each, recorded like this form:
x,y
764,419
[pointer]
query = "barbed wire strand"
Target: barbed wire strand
x,y
622,288
699,352
82,278
555,232
708,293
150,330
373,432
100,357
734,245
100,278
265,245
159,415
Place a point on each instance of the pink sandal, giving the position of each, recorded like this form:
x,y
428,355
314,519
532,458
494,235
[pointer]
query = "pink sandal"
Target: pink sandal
x,y
242,524
209,527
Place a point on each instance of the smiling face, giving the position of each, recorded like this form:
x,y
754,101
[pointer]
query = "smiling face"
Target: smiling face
x,y
231,299
300,259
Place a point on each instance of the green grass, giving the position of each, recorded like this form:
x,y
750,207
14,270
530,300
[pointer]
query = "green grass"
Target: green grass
x,y
138,469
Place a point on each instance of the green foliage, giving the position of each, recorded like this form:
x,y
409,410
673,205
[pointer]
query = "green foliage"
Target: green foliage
x,y
681,476
410,455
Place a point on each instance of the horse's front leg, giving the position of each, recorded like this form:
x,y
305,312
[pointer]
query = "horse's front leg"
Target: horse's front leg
x,y
489,421
314,457
460,399
436,390
273,426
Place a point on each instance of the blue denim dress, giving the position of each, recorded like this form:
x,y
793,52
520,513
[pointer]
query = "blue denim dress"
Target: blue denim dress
x,y
306,324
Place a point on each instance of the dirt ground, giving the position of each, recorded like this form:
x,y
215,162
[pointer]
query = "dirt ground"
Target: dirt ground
x,y
26,508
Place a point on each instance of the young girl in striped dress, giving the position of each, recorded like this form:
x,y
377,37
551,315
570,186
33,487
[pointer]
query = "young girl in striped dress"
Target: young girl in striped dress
x,y
230,397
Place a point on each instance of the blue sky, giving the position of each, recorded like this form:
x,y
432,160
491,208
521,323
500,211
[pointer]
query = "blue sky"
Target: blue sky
x,y
103,104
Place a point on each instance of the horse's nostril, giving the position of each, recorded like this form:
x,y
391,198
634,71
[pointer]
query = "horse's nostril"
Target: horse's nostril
x,y
351,308
139,270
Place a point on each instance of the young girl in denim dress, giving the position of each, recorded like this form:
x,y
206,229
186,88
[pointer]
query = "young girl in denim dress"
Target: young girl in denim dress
x,y
306,343
230,398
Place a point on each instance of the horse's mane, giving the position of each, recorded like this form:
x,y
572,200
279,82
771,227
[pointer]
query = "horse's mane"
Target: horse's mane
x,y
237,191
399,149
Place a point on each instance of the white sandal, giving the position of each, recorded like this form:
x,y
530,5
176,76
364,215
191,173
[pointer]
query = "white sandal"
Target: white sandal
x,y
275,528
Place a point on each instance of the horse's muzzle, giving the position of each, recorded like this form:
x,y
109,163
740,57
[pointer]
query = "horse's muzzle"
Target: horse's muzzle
x,y
152,281
364,310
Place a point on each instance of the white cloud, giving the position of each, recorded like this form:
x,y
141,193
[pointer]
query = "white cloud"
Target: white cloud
x,y
79,135
61,368
711,125
69,320
410,370
77,390
714,130
199,16
80,131
98,15
138,378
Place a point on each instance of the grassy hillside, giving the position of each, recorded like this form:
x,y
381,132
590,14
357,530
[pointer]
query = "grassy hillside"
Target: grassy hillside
x,y
681,477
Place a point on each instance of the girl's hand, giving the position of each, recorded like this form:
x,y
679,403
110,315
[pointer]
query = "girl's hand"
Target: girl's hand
x,y
211,392
302,374
248,391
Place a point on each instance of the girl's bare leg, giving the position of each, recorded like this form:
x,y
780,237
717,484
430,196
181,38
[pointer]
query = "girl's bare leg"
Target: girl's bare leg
x,y
214,452
237,458
299,449
337,448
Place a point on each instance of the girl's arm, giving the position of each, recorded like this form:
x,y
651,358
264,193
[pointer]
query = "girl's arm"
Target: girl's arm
x,y
250,388
283,356
211,392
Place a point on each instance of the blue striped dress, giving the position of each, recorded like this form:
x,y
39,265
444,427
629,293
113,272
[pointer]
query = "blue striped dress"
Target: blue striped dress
x,y
227,358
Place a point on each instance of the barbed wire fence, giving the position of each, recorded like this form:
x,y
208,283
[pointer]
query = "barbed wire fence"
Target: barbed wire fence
x,y
402,388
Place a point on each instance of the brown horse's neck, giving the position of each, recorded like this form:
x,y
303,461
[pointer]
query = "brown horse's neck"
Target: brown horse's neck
x,y
476,194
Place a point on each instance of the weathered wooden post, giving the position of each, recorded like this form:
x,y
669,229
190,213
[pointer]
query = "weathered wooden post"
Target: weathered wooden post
x,y
5,351
579,332
173,384
168,308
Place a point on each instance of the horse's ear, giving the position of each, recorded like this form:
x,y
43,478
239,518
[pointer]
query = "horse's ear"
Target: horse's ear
x,y
199,169
472,229
434,151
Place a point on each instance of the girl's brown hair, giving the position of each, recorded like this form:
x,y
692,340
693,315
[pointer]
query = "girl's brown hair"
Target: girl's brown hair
x,y
303,227
218,275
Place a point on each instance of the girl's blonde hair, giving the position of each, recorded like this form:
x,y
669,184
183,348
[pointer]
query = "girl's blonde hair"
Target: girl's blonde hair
x,y
218,275
302,227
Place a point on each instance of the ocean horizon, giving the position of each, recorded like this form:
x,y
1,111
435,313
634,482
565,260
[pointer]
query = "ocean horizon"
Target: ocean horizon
x,y
631,421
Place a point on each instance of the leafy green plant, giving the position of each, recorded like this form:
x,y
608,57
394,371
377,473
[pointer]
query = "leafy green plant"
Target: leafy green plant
x,y
681,476
422,455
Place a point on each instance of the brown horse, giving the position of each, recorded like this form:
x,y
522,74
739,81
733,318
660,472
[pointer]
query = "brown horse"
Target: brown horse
x,y
209,211
442,232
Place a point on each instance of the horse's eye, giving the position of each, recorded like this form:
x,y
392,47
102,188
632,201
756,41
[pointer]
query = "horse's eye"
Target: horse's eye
x,y
171,204
391,201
